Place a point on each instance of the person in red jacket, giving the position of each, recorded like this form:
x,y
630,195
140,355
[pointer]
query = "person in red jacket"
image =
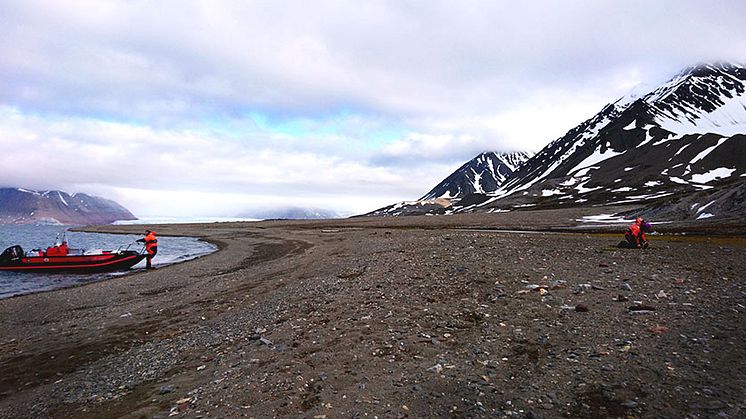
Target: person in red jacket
x,y
151,246
635,234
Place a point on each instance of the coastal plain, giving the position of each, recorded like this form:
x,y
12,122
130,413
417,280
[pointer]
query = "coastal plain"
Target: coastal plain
x,y
528,314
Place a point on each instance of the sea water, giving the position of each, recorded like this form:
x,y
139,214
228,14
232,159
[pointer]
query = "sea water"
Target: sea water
x,y
170,250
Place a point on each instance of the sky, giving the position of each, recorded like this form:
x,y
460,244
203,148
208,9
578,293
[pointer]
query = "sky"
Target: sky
x,y
215,108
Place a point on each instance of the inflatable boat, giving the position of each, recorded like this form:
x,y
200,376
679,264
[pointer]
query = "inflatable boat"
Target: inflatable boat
x,y
61,259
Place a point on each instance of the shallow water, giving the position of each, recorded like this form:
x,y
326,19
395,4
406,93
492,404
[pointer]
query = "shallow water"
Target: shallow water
x,y
170,250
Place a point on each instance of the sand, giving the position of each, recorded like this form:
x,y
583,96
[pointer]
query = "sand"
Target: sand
x,y
405,317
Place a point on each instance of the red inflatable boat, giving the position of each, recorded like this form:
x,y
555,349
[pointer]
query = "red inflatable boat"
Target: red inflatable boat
x,y
61,259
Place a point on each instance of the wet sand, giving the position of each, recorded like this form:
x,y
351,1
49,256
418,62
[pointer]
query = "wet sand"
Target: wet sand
x,y
420,316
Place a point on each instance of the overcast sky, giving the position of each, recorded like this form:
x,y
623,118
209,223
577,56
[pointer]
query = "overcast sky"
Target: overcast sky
x,y
211,108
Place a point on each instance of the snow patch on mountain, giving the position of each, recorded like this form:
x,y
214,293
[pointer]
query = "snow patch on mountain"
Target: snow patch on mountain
x,y
637,92
715,174
703,99
597,157
62,199
707,151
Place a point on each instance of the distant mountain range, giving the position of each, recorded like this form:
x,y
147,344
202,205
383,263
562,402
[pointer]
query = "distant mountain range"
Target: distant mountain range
x,y
24,206
679,151
291,213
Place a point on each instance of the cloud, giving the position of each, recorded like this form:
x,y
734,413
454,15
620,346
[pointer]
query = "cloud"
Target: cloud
x,y
173,59
81,154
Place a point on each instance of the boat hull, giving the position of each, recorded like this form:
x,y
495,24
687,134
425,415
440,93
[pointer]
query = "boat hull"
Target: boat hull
x,y
106,262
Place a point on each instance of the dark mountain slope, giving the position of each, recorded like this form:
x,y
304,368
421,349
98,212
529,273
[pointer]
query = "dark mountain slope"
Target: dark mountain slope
x,y
484,173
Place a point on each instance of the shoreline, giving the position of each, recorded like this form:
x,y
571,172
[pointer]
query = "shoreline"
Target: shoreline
x,y
389,317
107,276
604,230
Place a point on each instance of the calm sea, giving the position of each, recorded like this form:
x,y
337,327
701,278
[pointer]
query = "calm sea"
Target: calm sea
x,y
170,250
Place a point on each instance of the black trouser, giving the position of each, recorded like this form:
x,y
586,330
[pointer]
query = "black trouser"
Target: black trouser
x,y
151,254
632,240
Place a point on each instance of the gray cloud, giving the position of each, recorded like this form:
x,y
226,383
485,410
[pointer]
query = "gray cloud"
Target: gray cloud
x,y
144,59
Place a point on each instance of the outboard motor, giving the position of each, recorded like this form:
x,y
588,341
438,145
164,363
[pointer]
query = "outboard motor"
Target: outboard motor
x,y
11,253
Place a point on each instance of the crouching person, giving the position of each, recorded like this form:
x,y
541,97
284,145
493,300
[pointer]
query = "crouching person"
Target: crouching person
x,y
634,236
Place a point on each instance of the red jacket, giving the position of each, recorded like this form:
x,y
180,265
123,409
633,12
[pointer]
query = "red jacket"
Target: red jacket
x,y
637,232
151,243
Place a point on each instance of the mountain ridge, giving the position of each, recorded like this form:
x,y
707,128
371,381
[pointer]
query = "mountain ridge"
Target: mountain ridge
x,y
481,174
27,206
485,172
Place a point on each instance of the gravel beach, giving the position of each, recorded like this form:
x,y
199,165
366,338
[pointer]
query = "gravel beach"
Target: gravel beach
x,y
394,317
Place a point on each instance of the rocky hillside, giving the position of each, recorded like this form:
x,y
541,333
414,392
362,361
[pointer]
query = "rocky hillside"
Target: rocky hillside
x,y
23,206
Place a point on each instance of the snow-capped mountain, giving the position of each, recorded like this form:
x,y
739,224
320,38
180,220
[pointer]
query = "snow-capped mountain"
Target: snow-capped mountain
x,y
482,174
24,206
688,135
